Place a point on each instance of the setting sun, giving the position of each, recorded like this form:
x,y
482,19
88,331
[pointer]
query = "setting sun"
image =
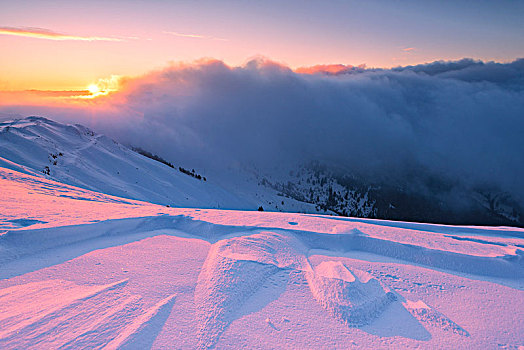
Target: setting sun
x,y
93,89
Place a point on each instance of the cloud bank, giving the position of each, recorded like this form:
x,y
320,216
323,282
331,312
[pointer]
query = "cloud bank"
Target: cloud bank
x,y
462,121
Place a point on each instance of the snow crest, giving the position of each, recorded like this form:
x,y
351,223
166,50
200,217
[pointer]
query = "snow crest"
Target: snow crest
x,y
236,268
55,314
352,296
426,314
233,271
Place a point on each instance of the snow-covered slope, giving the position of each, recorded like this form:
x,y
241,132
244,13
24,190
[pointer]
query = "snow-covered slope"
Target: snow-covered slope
x,y
75,155
423,198
82,269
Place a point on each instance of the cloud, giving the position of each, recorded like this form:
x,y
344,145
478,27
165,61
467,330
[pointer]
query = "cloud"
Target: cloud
x,y
459,121
509,75
194,36
408,49
41,33
331,69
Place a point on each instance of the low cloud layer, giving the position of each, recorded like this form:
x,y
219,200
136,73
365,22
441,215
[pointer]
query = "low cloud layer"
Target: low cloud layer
x,y
462,121
509,75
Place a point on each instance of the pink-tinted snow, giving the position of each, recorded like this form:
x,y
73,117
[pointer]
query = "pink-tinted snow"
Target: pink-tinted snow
x,y
80,269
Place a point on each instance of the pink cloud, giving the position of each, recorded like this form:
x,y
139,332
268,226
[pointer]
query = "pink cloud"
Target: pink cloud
x,y
42,33
194,36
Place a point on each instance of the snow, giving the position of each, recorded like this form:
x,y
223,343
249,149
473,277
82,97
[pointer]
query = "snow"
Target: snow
x,y
354,297
81,268
77,156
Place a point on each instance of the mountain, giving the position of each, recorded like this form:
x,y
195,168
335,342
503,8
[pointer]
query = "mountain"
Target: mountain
x,y
422,197
76,155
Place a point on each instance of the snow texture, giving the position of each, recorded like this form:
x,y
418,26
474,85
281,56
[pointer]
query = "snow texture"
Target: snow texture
x,y
88,269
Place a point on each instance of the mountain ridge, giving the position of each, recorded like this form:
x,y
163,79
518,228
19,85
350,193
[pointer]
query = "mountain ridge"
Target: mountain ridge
x,y
76,155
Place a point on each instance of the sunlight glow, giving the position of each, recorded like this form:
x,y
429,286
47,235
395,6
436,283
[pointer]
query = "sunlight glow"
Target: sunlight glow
x,y
102,87
93,89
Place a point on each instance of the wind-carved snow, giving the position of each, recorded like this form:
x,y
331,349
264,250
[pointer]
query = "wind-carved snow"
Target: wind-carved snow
x,y
236,268
233,271
62,314
352,296
426,314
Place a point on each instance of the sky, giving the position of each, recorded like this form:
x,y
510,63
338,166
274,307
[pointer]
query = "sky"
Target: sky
x,y
69,45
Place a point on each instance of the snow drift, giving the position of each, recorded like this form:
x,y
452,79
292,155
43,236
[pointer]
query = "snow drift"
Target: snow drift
x,y
354,297
85,269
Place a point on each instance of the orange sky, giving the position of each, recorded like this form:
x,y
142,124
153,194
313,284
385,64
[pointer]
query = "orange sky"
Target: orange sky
x,y
64,45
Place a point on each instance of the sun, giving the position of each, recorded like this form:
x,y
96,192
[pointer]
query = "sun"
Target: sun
x,y
93,89
102,87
